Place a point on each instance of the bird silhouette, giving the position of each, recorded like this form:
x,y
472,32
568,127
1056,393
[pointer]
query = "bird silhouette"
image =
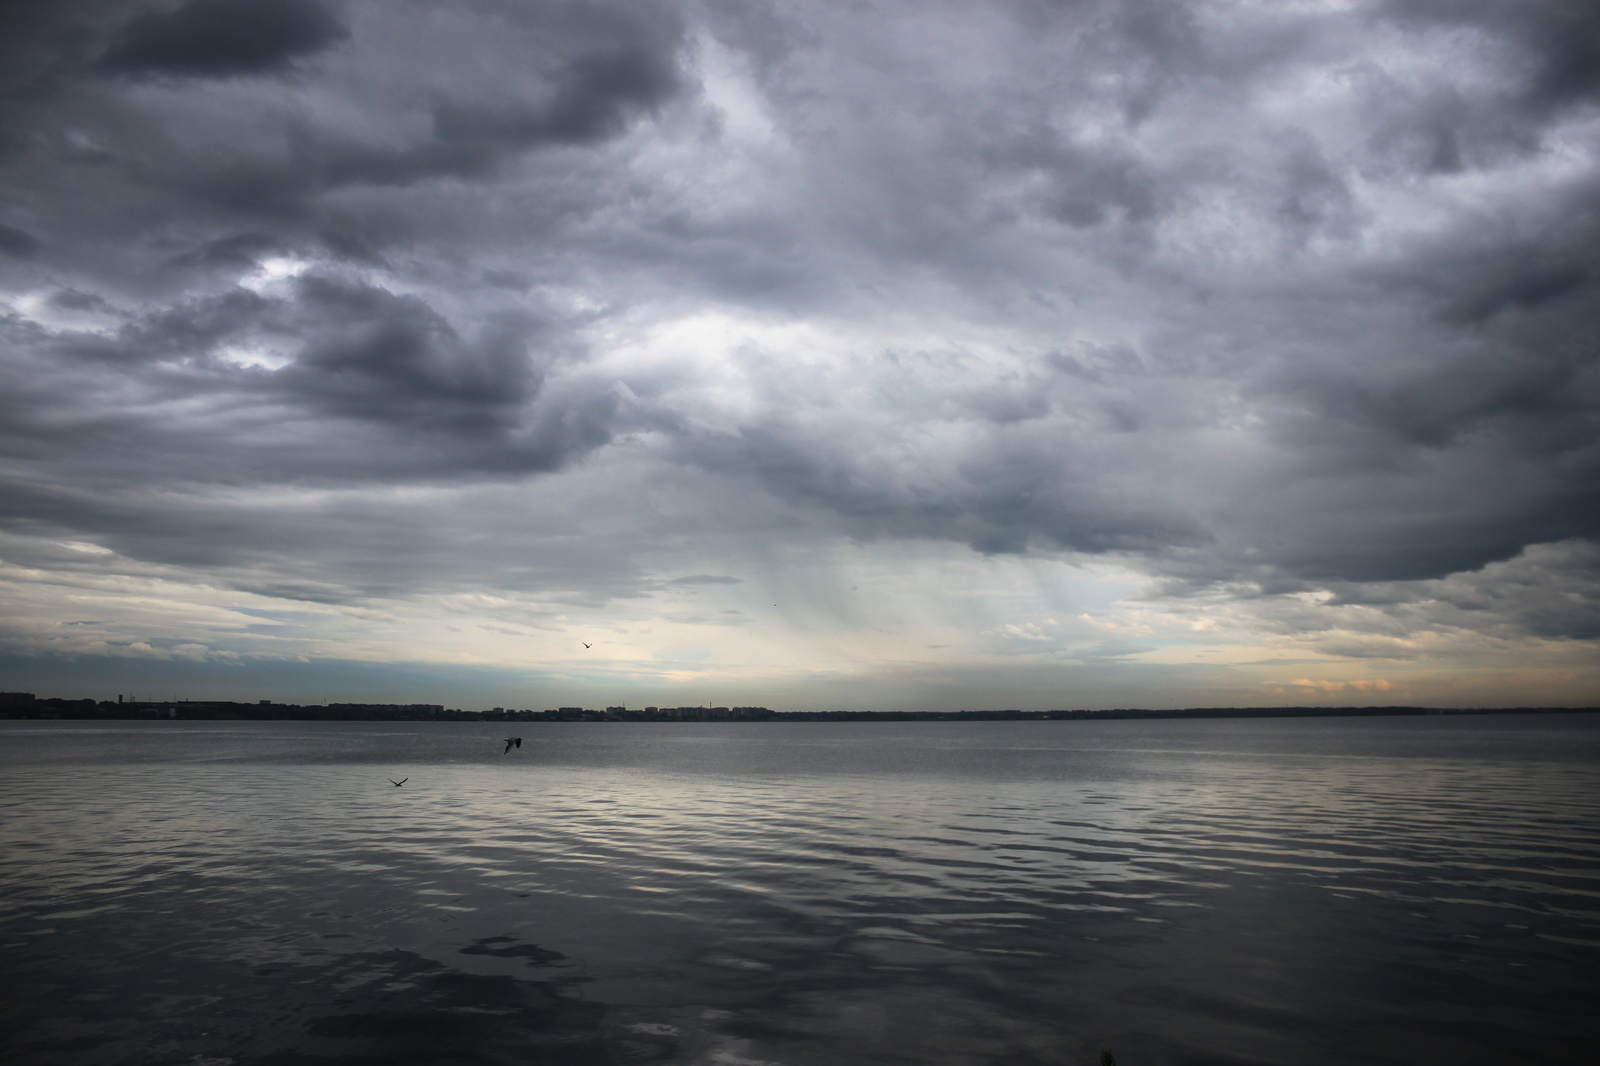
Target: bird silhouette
x,y
398,783
512,742
588,645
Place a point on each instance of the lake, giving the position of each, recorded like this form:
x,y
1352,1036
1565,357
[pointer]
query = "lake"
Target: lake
x,y
1392,890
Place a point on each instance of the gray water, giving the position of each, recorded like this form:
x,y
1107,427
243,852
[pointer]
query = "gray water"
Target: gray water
x,y
1404,890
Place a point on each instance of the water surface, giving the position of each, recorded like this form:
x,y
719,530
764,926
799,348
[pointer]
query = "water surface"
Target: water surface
x,y
1405,890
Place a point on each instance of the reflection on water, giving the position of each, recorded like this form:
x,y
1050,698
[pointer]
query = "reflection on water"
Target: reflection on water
x,y
1393,890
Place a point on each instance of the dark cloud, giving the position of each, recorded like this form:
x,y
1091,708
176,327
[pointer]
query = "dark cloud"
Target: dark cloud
x,y
237,250
73,300
373,355
1006,496
15,242
223,38
1545,591
1255,301
1315,196
274,166
192,328
1525,280
1084,187
1561,37
592,98
44,44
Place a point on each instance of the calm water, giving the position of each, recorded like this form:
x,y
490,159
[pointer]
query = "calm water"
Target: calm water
x,y
1337,891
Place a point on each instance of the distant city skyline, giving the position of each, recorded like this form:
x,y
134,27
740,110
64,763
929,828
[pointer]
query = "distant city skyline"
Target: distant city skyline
x,y
26,706
881,356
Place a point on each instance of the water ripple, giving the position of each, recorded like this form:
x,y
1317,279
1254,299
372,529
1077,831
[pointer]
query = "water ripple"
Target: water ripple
x,y
1271,892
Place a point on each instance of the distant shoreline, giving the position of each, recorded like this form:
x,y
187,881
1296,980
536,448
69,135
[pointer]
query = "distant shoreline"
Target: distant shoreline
x,y
23,706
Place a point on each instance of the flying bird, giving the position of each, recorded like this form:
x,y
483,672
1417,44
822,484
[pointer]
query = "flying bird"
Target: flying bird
x,y
511,742
398,783
588,645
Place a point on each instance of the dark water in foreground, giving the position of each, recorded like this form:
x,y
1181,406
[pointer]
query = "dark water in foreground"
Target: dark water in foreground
x,y
1332,891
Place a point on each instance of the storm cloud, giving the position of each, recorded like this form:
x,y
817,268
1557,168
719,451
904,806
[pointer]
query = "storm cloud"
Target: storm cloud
x,y
222,38
1279,322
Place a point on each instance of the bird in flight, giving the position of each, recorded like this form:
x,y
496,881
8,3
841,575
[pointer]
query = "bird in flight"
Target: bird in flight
x,y
588,645
511,742
398,783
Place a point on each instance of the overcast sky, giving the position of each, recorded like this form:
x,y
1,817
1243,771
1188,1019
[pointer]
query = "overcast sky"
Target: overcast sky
x,y
983,353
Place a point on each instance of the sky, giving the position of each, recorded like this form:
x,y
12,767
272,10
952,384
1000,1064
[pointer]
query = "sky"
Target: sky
x,y
884,355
